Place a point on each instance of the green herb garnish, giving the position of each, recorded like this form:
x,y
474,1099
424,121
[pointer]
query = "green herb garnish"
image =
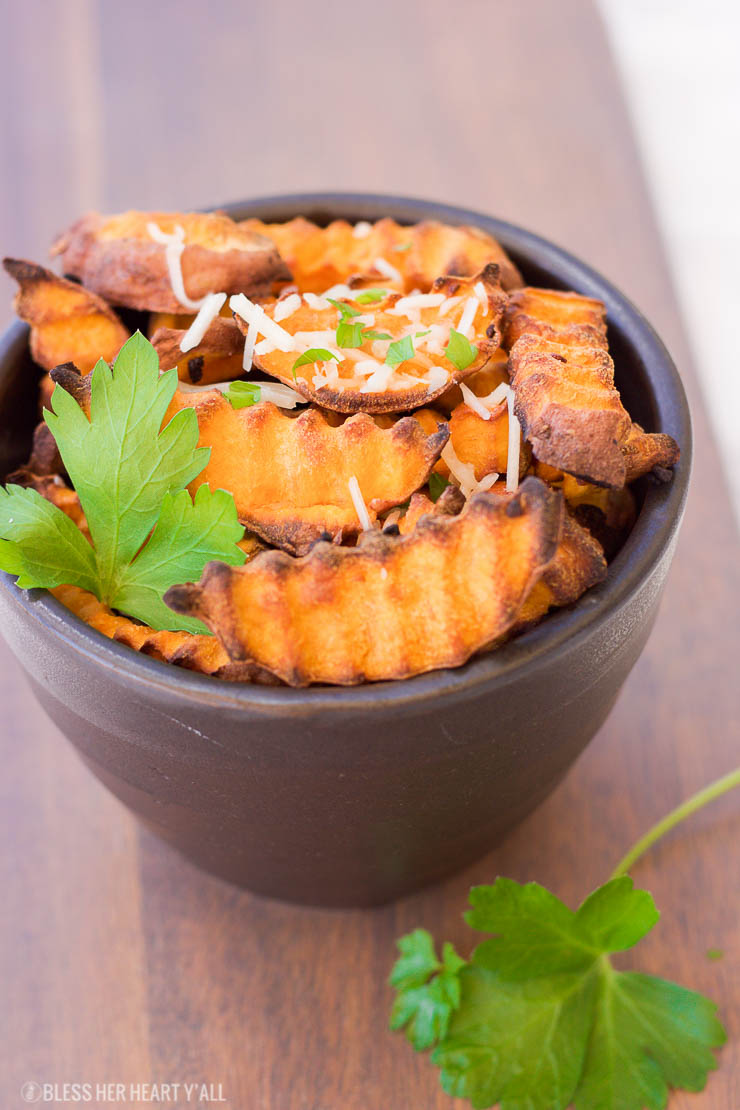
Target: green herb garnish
x,y
437,485
400,351
349,335
313,354
243,395
371,296
403,246
539,1017
369,333
714,954
130,474
345,310
460,351
418,334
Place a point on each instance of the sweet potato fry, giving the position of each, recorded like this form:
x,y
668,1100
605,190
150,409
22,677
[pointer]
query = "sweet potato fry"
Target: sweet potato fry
x,y
563,379
359,378
484,444
645,451
450,503
320,257
68,323
290,474
116,257
608,514
392,607
217,358
579,563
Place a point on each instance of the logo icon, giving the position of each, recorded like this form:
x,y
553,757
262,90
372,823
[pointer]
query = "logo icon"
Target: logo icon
x,y
31,1092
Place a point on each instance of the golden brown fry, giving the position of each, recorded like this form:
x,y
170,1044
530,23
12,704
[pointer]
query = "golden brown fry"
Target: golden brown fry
x,y
392,607
290,474
438,248
644,451
481,383
484,444
579,563
563,379
449,503
217,358
116,257
320,257
608,514
68,323
361,381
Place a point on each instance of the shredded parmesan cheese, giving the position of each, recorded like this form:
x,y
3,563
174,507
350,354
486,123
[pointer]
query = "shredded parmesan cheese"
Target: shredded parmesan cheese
x,y
480,291
359,503
286,307
448,305
512,457
207,313
313,300
254,313
474,402
436,378
418,300
338,291
362,229
249,342
174,245
384,267
468,315
465,473
380,376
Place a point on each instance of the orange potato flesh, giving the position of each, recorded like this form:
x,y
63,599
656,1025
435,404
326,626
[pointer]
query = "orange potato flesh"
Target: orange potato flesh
x,y
320,257
393,606
579,563
217,358
289,474
340,385
68,323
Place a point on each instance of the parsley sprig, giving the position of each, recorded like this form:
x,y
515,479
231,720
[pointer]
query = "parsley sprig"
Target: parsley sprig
x,y
539,1017
130,474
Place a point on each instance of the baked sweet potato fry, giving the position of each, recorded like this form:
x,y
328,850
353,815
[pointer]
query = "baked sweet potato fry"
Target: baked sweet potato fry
x,y
290,474
68,323
563,379
645,451
392,607
217,358
320,257
117,258
368,377
578,565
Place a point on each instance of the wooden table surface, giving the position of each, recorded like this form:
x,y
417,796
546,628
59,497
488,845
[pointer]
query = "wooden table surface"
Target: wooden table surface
x,y
119,961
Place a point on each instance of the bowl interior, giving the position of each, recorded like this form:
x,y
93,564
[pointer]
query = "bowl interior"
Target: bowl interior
x,y
650,386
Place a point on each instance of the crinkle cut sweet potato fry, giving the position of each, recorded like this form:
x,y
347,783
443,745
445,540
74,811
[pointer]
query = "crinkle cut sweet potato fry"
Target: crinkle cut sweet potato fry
x,y
578,565
290,474
116,257
217,358
362,381
68,323
390,608
320,257
563,378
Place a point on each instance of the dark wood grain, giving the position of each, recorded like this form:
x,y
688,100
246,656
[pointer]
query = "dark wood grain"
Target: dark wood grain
x,y
119,961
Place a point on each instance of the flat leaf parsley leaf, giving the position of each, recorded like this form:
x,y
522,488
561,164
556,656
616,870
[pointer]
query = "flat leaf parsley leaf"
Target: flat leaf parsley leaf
x,y
539,1018
460,351
129,473
242,395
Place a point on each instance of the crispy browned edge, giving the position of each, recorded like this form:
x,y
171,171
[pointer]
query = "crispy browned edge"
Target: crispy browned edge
x,y
133,272
210,598
403,400
223,339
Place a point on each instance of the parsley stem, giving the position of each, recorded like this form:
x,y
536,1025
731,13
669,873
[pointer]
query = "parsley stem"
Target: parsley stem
x,y
680,813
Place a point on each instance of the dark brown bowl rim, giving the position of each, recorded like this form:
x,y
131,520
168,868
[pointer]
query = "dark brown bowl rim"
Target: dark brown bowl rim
x,y
561,631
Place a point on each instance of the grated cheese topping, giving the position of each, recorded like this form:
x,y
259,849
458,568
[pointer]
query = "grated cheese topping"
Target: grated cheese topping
x,y
416,301
207,313
286,307
436,377
468,316
514,446
383,266
359,503
474,402
313,300
254,313
174,245
362,229
281,395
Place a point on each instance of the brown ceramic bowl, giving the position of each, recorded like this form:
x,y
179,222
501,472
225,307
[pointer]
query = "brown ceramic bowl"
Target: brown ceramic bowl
x,y
353,797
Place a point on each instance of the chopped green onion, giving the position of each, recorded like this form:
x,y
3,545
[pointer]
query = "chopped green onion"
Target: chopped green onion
x,y
400,351
349,335
313,354
437,485
345,310
371,296
460,351
243,395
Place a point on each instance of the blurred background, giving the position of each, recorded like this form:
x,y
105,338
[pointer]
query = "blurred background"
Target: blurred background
x,y
177,105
